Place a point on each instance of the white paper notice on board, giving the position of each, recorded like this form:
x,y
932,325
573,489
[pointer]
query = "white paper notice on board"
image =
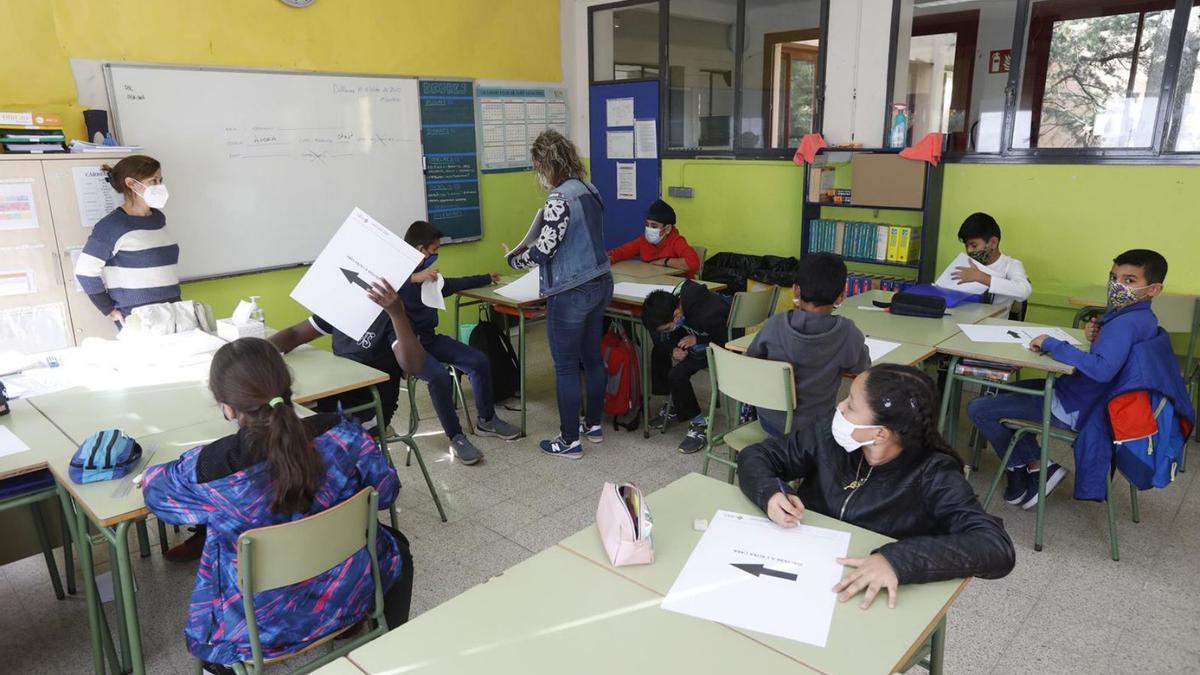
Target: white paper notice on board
x,y
750,573
645,139
620,145
626,180
94,196
17,210
16,282
35,328
618,112
361,252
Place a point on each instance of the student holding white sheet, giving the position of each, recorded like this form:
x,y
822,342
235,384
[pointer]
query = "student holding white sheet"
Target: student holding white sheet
x,y
982,268
881,464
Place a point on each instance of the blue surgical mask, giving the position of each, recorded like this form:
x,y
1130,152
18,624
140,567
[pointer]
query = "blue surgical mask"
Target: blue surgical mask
x,y
429,261
654,235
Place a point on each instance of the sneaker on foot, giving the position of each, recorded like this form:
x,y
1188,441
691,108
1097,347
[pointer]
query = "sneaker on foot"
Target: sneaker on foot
x,y
696,438
1017,489
465,450
665,417
594,434
1054,475
189,550
560,448
498,428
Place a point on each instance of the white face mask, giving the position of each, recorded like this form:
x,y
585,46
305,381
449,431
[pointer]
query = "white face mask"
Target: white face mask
x,y
155,196
544,183
654,234
843,430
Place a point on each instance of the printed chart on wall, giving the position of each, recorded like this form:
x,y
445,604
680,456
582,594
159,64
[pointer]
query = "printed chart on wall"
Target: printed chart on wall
x,y
17,210
451,162
94,196
511,117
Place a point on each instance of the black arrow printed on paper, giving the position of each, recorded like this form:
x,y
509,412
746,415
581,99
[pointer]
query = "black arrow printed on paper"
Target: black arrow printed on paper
x,y
761,570
353,278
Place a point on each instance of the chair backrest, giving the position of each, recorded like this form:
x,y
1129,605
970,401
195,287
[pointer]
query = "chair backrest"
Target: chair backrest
x,y
701,253
750,308
758,382
1017,311
782,301
1180,314
282,555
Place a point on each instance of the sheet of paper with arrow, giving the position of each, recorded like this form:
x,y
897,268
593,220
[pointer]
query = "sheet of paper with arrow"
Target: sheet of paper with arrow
x,y
750,573
361,252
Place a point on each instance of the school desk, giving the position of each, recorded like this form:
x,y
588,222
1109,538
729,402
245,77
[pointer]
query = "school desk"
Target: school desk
x,y
557,612
1010,354
905,355
895,636
641,270
874,322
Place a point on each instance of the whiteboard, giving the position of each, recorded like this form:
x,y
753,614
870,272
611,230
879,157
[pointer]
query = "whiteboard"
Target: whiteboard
x,y
264,166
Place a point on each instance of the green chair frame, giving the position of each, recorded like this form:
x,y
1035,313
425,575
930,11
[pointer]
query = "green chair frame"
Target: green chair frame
x,y
749,308
34,500
280,555
759,382
1022,428
701,253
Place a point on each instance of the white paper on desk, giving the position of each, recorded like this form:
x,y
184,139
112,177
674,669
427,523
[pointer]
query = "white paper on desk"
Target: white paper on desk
x,y
431,293
880,348
631,289
524,289
1020,335
618,112
10,443
361,252
785,584
620,144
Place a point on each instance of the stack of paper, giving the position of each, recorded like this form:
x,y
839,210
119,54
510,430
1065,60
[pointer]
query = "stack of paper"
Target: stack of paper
x,y
84,146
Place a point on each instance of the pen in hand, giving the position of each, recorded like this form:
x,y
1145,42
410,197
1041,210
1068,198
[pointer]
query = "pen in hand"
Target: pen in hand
x,y
782,487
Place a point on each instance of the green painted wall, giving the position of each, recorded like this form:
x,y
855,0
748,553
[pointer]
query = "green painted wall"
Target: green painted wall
x,y
508,201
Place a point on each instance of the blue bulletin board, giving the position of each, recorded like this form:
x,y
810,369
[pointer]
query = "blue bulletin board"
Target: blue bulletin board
x,y
451,161
625,201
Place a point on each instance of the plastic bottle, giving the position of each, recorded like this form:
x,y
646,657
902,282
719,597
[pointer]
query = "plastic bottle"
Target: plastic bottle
x,y
256,314
898,137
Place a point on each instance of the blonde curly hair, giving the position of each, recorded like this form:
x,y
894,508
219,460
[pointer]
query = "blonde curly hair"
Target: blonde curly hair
x,y
555,158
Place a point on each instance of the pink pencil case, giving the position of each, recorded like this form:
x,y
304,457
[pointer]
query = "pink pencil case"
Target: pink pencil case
x,y
623,520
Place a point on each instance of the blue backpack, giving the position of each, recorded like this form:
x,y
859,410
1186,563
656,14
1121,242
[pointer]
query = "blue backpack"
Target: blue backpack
x,y
105,455
1149,437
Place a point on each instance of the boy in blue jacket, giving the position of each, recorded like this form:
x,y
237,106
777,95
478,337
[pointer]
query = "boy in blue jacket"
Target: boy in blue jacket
x,y
1135,278
441,350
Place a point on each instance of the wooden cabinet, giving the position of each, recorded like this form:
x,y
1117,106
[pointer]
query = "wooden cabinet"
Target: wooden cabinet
x,y
42,229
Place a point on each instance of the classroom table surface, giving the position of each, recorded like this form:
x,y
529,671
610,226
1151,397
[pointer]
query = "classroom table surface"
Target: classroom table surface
x,y
489,295
893,636
911,329
342,666
639,269
1092,296
1009,353
905,355
34,430
557,612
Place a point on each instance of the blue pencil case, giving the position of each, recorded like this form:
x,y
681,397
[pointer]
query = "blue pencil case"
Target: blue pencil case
x,y
952,298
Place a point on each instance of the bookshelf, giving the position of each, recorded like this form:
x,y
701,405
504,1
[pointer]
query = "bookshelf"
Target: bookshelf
x,y
912,201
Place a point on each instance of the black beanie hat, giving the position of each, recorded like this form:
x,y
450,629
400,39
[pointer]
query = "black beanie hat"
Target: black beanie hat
x,y
661,212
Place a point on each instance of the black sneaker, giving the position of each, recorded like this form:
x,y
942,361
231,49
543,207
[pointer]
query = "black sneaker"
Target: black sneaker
x,y
695,440
665,417
1018,486
1054,475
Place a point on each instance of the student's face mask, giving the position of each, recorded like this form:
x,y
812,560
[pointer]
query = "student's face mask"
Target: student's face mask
x,y
544,183
1120,295
429,260
655,234
981,256
155,196
843,432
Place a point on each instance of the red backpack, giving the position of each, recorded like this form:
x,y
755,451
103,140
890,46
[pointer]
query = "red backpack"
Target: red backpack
x,y
624,391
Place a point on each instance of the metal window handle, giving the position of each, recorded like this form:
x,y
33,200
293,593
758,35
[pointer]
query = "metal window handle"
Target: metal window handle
x,y
58,278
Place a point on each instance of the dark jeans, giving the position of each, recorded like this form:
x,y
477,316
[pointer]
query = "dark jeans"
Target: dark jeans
x,y
676,379
574,326
987,411
440,351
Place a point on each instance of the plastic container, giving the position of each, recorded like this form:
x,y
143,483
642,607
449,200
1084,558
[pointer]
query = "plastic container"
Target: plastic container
x,y
898,136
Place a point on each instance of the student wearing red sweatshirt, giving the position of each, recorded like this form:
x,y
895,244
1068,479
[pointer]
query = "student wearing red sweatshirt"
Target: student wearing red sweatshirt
x,y
661,244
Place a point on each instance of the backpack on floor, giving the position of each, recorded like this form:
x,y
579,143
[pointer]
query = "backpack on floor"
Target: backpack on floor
x,y
623,394
489,338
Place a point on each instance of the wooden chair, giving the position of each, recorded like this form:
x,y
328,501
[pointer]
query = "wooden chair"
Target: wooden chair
x,y
758,382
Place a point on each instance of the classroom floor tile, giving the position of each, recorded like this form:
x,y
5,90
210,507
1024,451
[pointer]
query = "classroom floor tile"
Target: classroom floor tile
x,y
1066,609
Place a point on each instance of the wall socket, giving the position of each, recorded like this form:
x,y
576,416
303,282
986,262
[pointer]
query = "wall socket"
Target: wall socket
x,y
681,191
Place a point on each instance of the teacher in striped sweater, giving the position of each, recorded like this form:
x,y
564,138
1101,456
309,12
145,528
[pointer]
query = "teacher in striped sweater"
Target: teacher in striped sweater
x,y
129,260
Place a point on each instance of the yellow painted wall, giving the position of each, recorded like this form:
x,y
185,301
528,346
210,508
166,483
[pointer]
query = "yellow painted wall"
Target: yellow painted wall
x,y
482,39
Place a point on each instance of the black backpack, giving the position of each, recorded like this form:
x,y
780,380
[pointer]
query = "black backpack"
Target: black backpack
x,y
489,338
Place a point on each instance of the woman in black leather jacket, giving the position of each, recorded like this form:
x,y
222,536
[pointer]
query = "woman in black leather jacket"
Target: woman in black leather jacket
x,y
904,482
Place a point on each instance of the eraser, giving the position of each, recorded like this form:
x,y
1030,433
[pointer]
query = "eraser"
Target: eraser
x,y
700,524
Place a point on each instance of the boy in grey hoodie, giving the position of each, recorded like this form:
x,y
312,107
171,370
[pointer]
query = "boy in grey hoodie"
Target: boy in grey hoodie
x,y
820,346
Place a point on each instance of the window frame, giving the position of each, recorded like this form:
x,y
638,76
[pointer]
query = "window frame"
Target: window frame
x,y
736,151
1164,121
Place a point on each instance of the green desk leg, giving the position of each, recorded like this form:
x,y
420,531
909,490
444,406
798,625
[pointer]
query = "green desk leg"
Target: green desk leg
x,y
937,649
947,398
381,426
521,360
78,525
119,607
143,535
123,581
1047,398
644,372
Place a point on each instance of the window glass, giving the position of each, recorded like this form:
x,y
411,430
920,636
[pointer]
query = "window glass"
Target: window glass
x,y
779,72
1184,134
625,43
700,75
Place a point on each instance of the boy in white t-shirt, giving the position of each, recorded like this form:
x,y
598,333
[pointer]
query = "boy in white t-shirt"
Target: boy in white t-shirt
x,y
983,268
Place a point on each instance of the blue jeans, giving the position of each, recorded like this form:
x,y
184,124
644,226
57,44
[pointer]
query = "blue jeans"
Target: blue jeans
x,y
574,326
441,351
987,411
